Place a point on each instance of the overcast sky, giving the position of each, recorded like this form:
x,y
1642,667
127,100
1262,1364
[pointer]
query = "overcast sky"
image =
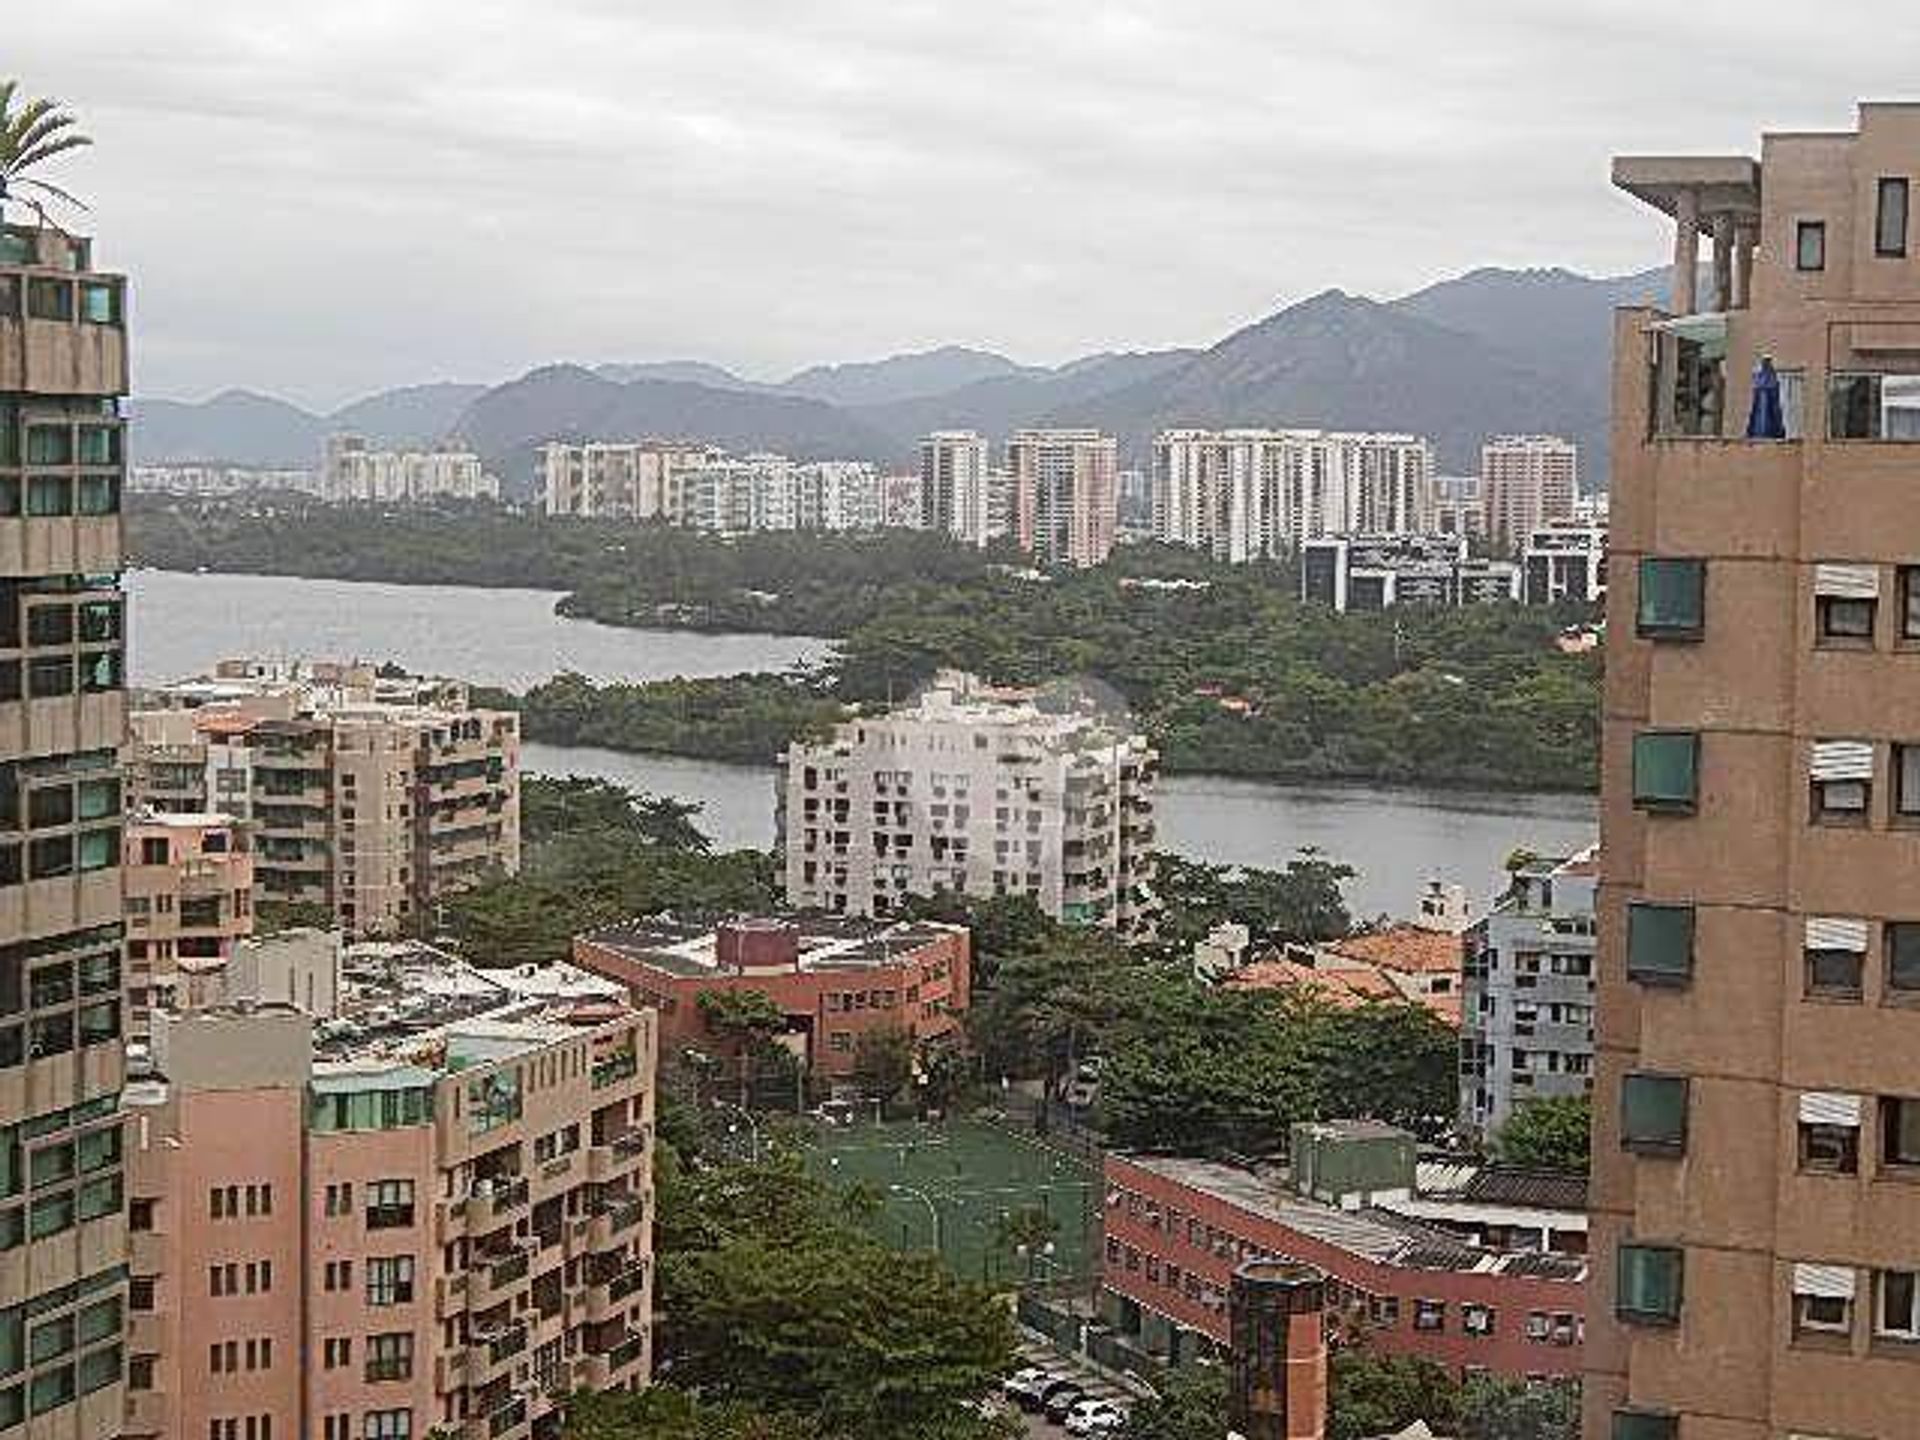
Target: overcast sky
x,y
327,198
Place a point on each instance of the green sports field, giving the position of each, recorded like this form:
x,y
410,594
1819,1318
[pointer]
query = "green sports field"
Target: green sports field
x,y
970,1174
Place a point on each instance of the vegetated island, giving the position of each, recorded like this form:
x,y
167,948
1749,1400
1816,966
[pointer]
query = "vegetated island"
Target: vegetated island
x,y
1222,665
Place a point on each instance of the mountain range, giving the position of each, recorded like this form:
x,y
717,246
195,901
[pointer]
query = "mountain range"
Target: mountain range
x,y
1487,352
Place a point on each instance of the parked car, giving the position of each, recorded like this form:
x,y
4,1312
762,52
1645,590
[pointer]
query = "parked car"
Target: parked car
x,y
1095,1417
1022,1381
1059,1401
1029,1388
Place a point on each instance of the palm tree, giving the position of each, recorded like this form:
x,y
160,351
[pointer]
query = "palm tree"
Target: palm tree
x,y
30,136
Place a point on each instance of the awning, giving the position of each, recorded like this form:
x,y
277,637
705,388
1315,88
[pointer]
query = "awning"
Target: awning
x,y
1827,1107
1827,932
1707,329
1832,1282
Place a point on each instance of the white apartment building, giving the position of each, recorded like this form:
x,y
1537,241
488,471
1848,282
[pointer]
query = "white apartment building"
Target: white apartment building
x,y
1526,1006
1065,495
976,791
1256,494
1526,482
1565,562
210,480
623,480
352,471
953,485
1456,506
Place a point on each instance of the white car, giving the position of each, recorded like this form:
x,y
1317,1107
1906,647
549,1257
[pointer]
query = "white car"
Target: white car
x,y
1024,1386
1095,1417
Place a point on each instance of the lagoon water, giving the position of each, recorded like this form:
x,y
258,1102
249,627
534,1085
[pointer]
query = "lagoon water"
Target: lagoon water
x,y
1395,838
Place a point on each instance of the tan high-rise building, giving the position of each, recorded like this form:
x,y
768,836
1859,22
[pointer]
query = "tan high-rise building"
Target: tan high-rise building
x,y
189,901
1066,501
368,795
1526,482
428,1214
63,1238
1757,1117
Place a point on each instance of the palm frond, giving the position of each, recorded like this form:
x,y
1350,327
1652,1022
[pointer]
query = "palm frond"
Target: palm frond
x,y
47,149
29,115
26,182
51,123
7,87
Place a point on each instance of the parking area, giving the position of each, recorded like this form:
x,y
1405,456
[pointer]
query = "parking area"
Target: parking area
x,y
955,1187
1092,1384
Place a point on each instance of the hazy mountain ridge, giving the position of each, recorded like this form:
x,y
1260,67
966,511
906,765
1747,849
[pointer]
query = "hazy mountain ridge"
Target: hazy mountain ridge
x,y
1485,352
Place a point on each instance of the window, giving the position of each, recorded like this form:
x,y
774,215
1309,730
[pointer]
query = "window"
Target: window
x,y
1903,959
1900,1132
1653,1113
1476,1320
1906,784
1673,599
49,300
1841,782
1429,1314
1647,1284
390,1357
1871,406
386,1425
1659,943
1896,1310
1822,1300
1829,1133
1665,770
1841,620
1836,950
390,1280
1890,218
337,1351
1810,245
389,1204
1910,602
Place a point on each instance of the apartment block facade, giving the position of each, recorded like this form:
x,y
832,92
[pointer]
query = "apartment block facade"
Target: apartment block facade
x,y
953,485
1065,499
1479,1271
1526,1011
978,792
833,979
63,1239
1260,494
1526,482
1376,572
189,901
1566,562
616,480
369,796
1757,1118
354,471
428,1214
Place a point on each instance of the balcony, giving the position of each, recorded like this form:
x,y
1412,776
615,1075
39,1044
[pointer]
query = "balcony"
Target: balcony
x,y
501,1200
450,1371
612,1221
149,1412
496,1276
618,1157
493,1353
449,1296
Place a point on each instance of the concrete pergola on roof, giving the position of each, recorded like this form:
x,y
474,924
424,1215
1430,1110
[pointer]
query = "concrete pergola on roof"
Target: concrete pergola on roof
x,y
1720,184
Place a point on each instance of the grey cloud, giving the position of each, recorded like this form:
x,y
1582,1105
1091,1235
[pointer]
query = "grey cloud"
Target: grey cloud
x,y
326,198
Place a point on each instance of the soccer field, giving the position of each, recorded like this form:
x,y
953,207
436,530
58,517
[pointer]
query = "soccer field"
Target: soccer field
x,y
969,1174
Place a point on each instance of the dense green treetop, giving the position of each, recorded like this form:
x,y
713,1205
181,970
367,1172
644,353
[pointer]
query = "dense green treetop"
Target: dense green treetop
x,y
1234,676
1551,1134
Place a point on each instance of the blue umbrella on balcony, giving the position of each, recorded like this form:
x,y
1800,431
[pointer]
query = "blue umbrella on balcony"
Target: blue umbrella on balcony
x,y
1766,421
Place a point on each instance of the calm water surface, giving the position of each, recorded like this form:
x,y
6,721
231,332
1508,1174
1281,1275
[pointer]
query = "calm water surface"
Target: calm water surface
x,y
1395,838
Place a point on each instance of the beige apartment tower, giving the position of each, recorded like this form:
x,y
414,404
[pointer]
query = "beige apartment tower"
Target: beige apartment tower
x,y
1526,482
1757,1124
63,369
1066,500
368,795
428,1213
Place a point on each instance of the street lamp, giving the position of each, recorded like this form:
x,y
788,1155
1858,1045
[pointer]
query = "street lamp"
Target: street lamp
x,y
932,1210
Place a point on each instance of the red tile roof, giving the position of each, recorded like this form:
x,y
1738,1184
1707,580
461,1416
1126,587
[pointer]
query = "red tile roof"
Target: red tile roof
x,y
1405,948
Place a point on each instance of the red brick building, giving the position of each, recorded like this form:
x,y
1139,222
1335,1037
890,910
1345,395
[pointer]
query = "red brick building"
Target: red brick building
x,y
834,978
1409,1279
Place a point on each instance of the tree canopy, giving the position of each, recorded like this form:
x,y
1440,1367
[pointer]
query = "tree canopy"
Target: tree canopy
x,y
1551,1134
